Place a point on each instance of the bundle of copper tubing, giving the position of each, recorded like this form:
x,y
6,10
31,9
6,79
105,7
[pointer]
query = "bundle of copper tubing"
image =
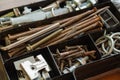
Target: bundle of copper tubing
x,y
65,29
67,56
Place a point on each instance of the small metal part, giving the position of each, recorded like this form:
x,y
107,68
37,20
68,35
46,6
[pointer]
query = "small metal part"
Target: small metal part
x,y
16,12
45,75
27,10
62,65
67,53
9,14
3,28
55,4
20,73
7,41
106,43
32,69
3,19
81,61
70,62
71,47
108,18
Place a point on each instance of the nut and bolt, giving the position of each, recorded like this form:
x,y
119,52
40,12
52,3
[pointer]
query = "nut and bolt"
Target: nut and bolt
x,y
80,61
66,58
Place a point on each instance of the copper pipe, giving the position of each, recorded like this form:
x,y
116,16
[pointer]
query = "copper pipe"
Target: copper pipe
x,y
78,32
13,45
31,47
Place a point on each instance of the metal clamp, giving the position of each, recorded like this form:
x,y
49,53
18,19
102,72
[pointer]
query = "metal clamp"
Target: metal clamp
x,y
32,69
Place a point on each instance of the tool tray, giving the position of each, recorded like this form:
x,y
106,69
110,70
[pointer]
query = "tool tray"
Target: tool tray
x,y
93,68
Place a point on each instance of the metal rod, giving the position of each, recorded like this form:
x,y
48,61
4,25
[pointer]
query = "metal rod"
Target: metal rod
x,y
15,36
13,45
31,47
78,18
78,32
68,30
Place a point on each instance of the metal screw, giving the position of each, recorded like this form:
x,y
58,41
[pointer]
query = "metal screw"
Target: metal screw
x,y
80,60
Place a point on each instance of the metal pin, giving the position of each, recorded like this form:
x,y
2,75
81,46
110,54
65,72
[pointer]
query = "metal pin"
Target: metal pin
x,y
7,41
70,61
31,47
81,61
62,65
16,12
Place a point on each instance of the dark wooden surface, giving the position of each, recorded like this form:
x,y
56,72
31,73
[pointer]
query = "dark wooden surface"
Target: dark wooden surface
x,y
8,4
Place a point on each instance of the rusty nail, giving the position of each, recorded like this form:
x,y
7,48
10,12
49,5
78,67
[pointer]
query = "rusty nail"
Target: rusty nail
x,y
62,65
7,41
70,61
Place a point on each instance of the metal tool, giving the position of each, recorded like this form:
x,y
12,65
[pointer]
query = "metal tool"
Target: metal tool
x,y
81,61
41,15
32,69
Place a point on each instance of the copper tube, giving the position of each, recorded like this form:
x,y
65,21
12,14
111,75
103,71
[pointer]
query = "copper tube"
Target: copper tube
x,y
80,31
15,36
13,45
31,47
